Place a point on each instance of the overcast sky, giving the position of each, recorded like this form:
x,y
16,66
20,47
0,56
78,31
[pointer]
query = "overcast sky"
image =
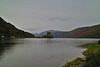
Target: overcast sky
x,y
40,15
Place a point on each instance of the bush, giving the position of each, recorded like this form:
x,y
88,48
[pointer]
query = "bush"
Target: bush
x,y
93,60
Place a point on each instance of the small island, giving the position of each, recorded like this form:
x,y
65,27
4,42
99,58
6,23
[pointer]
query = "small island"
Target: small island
x,y
48,35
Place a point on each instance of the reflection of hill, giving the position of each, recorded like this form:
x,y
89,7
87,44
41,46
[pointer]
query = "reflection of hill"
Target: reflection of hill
x,y
6,46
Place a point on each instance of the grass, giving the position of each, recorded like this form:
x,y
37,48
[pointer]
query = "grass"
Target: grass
x,y
92,57
93,60
94,48
79,62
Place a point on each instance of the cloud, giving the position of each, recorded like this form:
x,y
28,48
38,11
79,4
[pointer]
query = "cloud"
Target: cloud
x,y
32,29
61,19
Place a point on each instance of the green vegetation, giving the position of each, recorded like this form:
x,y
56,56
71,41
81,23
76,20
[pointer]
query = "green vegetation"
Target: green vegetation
x,y
92,58
79,62
93,49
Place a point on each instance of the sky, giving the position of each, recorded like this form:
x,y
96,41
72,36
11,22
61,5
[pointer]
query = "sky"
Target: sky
x,y
36,16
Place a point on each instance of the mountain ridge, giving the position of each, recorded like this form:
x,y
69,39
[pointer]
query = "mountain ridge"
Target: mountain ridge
x,y
86,32
8,30
81,32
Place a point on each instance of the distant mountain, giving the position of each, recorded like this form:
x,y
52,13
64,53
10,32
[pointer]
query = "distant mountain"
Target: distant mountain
x,y
9,30
55,33
85,32
36,34
82,32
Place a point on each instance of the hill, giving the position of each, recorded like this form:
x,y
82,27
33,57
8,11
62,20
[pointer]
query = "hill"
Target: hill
x,y
85,32
82,32
10,31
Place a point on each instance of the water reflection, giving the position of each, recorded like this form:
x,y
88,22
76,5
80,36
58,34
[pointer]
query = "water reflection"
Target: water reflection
x,y
6,46
35,52
49,40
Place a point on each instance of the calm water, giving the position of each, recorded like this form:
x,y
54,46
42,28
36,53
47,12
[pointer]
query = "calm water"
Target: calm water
x,y
40,52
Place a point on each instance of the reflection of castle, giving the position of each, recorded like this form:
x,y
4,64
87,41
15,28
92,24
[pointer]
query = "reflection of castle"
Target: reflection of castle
x,y
49,35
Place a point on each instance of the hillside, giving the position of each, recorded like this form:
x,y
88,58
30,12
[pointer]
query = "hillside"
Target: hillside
x,y
82,32
8,30
85,32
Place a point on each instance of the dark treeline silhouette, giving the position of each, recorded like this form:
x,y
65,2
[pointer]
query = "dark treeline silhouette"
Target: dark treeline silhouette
x,y
8,30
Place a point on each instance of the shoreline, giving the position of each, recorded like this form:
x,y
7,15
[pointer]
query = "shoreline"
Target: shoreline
x,y
93,48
